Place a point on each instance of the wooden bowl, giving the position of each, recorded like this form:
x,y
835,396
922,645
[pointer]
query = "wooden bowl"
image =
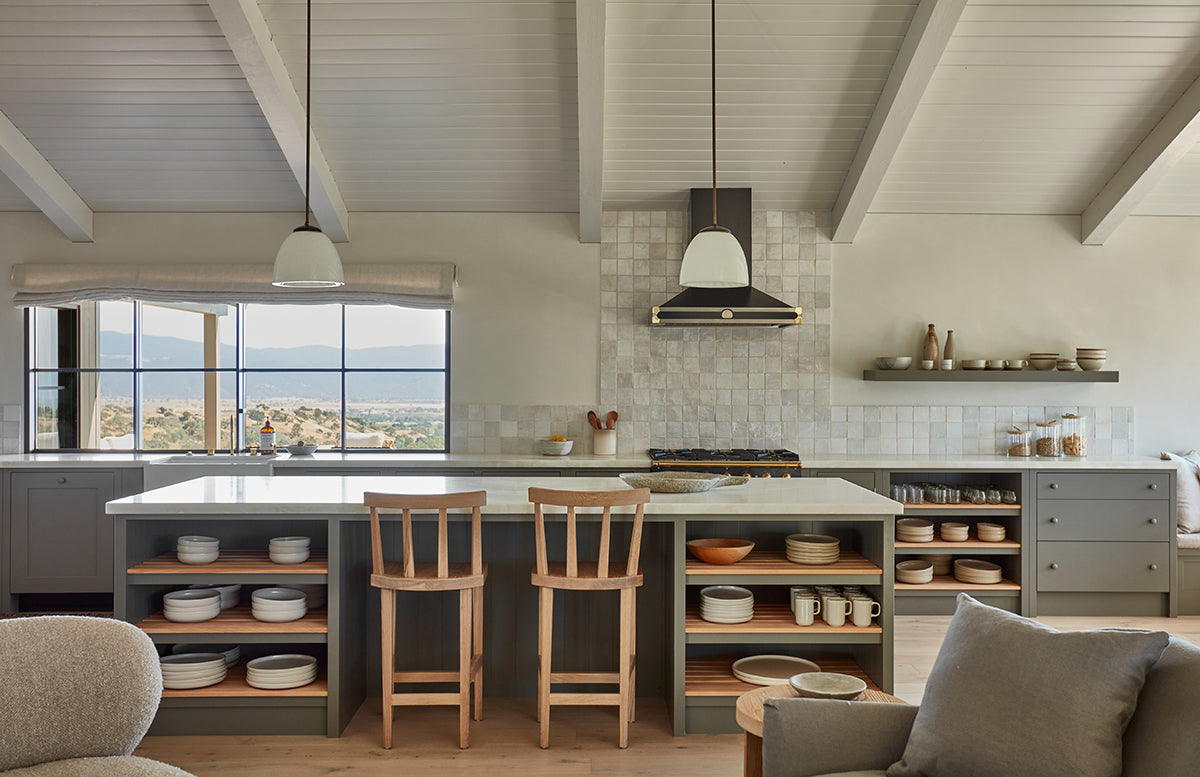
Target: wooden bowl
x,y
720,550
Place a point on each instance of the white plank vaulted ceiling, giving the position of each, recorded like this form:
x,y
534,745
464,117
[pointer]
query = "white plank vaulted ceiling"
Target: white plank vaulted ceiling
x,y
1027,107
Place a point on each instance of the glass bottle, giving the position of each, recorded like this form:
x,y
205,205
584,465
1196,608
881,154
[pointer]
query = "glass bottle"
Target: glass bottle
x,y
266,437
1075,434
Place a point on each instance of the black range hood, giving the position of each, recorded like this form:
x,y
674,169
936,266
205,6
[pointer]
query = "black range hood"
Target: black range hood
x,y
741,306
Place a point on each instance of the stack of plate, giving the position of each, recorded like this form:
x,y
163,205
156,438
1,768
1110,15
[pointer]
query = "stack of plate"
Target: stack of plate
x,y
726,604
278,605
954,532
282,671
812,549
914,530
990,532
289,550
231,594
970,570
194,549
192,670
771,670
943,564
914,571
192,605
232,653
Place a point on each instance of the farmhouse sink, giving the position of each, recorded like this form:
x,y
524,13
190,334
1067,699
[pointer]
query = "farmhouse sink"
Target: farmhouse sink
x,y
175,469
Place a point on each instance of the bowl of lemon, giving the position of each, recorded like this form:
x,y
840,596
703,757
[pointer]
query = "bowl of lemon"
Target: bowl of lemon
x,y
555,446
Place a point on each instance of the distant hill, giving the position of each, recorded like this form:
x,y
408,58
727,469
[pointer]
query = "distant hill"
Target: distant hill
x,y
173,352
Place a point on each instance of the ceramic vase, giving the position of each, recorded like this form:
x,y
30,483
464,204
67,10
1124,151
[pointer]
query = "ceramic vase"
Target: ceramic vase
x,y
950,352
931,347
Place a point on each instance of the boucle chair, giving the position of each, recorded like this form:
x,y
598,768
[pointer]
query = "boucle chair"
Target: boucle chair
x,y
76,696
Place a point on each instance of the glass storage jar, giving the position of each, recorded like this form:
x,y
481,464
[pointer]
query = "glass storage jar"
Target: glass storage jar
x,y
1020,442
1075,434
1049,439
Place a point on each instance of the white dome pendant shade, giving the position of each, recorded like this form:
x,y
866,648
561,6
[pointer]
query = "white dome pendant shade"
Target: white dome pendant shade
x,y
714,260
307,259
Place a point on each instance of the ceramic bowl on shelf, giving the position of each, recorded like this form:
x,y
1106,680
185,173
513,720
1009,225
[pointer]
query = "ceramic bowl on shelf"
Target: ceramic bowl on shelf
x,y
196,549
973,364
302,449
893,362
1066,365
1088,364
1043,361
720,550
914,571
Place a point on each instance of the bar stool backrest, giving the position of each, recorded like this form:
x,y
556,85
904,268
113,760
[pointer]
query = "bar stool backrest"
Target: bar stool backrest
x,y
407,503
607,500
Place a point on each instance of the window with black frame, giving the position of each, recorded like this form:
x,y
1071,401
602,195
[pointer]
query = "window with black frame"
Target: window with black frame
x,y
148,376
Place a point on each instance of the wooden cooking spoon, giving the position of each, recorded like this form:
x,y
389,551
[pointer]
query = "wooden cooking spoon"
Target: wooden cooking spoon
x,y
593,419
612,419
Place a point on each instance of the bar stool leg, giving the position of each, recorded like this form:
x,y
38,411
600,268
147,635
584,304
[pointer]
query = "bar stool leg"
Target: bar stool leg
x,y
477,615
626,650
632,654
545,639
387,601
464,667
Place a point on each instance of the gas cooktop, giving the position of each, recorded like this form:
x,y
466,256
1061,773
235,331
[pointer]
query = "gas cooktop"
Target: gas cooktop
x,y
678,456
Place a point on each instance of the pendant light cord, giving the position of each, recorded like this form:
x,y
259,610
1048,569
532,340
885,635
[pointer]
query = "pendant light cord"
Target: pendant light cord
x,y
308,115
713,37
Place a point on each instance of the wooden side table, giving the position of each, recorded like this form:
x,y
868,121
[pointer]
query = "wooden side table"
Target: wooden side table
x,y
749,712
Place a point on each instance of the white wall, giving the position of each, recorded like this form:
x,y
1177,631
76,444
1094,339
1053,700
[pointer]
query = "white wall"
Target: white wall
x,y
1008,285
526,325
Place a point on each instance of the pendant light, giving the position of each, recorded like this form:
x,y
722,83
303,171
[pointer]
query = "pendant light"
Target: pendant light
x,y
714,259
308,258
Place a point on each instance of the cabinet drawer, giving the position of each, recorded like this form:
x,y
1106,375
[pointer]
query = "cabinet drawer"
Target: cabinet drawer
x,y
1103,485
1103,566
1104,519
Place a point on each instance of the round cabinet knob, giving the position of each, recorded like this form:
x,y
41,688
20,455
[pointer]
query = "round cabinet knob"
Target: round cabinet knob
x,y
1153,486
1153,521
1054,566
1153,567
62,480
1053,520
1054,485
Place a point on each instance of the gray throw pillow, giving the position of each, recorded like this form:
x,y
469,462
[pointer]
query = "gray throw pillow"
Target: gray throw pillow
x,y
1010,697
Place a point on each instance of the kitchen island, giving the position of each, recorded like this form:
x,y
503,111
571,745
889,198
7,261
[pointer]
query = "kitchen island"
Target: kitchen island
x,y
681,658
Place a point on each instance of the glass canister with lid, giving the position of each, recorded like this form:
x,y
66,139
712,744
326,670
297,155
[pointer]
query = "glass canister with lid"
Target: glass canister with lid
x,y
1020,442
1049,438
1075,434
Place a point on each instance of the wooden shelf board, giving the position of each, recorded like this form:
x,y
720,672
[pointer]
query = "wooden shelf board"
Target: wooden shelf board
x,y
234,687
775,562
962,507
238,621
771,619
714,676
994,376
233,561
948,583
941,546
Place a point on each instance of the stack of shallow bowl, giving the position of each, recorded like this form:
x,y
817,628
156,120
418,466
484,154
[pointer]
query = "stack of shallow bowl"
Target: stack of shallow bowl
x,y
231,594
726,604
943,564
1091,359
232,653
812,549
914,571
192,605
194,549
192,670
970,570
990,532
289,550
278,605
282,671
954,532
914,530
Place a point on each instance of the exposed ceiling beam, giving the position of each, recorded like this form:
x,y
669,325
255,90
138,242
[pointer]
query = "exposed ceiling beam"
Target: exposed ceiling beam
x,y
589,58
42,184
248,35
928,34
1171,139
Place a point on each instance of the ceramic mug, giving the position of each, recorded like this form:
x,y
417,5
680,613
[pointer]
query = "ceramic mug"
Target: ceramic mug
x,y
862,610
795,591
836,610
806,609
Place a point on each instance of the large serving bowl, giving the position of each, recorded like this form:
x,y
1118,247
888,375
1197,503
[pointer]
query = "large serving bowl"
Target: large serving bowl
x,y
303,449
555,447
720,550
893,362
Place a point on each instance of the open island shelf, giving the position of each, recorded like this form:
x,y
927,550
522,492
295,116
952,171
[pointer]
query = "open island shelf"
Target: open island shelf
x,y
713,677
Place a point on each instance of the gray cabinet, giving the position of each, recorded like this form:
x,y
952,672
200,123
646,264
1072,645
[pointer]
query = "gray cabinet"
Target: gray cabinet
x,y
859,477
61,541
1103,566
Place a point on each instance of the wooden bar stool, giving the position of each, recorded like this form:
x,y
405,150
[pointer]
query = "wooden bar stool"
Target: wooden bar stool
x,y
577,575
466,578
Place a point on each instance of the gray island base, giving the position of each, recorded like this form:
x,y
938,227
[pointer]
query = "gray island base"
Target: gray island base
x,y
681,658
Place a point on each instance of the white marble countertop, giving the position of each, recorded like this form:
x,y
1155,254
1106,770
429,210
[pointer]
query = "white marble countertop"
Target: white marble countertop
x,y
506,496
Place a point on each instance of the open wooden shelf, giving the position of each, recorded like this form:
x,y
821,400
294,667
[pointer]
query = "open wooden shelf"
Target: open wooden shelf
x,y
771,619
234,686
238,621
963,508
949,583
775,562
233,561
941,546
995,376
714,676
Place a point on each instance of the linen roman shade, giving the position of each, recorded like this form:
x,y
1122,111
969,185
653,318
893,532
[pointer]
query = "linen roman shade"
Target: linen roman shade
x,y
428,285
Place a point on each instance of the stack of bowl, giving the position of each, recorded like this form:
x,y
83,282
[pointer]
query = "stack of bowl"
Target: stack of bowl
x,y
943,564
278,605
315,593
914,571
232,653
726,604
1091,359
282,671
289,550
194,549
192,605
914,530
192,670
812,549
990,532
1043,360
1066,365
970,570
954,532
231,594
